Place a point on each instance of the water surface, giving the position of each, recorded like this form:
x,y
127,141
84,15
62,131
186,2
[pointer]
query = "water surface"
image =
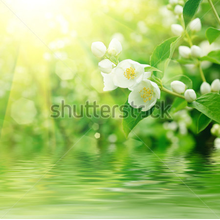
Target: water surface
x,y
115,181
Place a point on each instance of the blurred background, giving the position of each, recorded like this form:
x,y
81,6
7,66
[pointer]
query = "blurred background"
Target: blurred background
x,y
86,168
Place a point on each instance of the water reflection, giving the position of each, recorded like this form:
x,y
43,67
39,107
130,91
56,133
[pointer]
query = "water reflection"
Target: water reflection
x,y
113,182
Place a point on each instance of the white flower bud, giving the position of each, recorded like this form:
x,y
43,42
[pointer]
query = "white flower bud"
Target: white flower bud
x,y
115,47
178,87
177,29
184,51
98,49
195,25
215,87
173,2
106,66
217,143
205,88
215,130
178,10
190,95
196,51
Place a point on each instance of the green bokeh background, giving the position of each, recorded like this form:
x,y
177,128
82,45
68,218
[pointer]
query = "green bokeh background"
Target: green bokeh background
x,y
45,57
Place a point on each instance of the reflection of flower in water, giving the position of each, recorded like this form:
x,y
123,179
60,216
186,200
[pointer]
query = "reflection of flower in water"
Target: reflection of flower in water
x,y
217,143
181,122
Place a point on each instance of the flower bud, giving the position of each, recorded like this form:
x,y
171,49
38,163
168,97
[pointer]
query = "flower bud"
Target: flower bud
x,y
217,143
98,49
215,87
190,95
173,2
184,51
196,51
178,87
177,29
205,88
195,25
215,130
115,47
106,66
178,10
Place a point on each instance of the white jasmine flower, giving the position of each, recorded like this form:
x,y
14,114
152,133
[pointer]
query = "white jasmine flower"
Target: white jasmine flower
x,y
184,51
195,25
178,87
108,79
190,95
98,49
177,29
178,10
196,51
146,75
115,47
215,87
217,143
106,66
128,72
144,95
205,88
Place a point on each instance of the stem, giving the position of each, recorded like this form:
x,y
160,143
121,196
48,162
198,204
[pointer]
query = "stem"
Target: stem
x,y
172,93
214,10
185,31
191,44
113,61
189,39
201,72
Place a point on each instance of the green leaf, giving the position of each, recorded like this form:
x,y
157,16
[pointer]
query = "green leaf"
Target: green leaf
x,y
212,34
203,122
190,9
156,72
178,105
209,105
132,116
162,52
213,57
185,79
151,69
186,61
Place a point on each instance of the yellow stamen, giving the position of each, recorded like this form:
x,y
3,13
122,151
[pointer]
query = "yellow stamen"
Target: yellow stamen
x,y
130,73
146,94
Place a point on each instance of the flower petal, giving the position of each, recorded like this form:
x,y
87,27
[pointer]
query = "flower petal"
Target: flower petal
x,y
108,79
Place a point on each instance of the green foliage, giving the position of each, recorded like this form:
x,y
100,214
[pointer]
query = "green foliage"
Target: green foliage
x,y
209,105
133,116
212,34
178,105
190,9
151,69
203,122
185,61
213,57
162,52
